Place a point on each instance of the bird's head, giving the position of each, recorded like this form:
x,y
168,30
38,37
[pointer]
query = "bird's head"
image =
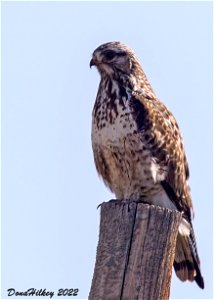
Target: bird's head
x,y
117,61
113,57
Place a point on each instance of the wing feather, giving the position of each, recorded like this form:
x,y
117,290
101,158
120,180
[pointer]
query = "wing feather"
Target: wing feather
x,y
162,136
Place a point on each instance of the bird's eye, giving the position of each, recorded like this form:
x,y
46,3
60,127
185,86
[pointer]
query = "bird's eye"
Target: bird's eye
x,y
110,55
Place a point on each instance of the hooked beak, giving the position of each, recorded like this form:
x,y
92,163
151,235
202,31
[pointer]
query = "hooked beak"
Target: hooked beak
x,y
92,63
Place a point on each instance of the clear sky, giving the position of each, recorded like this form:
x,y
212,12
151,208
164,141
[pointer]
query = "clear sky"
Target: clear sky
x,y
50,189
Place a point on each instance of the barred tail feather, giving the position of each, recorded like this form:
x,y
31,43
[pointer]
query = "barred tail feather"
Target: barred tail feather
x,y
186,263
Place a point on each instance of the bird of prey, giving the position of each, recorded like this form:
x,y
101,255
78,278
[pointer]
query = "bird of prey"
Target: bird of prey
x,y
138,149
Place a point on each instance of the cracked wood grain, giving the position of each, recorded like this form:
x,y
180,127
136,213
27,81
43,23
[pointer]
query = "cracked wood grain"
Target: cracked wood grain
x,y
135,252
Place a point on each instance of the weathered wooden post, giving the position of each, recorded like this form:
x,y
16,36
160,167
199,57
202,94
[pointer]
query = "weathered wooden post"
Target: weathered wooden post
x,y
135,252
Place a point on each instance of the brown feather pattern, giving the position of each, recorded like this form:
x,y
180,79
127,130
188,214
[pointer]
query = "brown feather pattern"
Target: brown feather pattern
x,y
138,149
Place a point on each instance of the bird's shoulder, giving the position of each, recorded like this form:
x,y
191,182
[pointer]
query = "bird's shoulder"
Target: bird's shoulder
x,y
162,136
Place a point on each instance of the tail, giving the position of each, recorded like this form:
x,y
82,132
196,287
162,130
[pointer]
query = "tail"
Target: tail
x,y
186,263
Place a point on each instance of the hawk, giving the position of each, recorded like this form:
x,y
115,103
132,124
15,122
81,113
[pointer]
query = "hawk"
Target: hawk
x,y
138,149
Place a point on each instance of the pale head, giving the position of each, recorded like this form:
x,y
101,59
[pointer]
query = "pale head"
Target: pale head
x,y
113,57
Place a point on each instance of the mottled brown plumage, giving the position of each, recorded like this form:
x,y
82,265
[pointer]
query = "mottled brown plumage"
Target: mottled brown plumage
x,y
138,149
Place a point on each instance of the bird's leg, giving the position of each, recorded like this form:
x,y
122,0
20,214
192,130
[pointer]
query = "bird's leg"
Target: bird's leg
x,y
125,201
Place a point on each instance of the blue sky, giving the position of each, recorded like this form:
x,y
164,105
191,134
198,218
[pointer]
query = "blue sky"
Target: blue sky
x,y
50,189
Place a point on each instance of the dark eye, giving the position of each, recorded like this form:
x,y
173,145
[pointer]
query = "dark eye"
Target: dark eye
x,y
110,55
